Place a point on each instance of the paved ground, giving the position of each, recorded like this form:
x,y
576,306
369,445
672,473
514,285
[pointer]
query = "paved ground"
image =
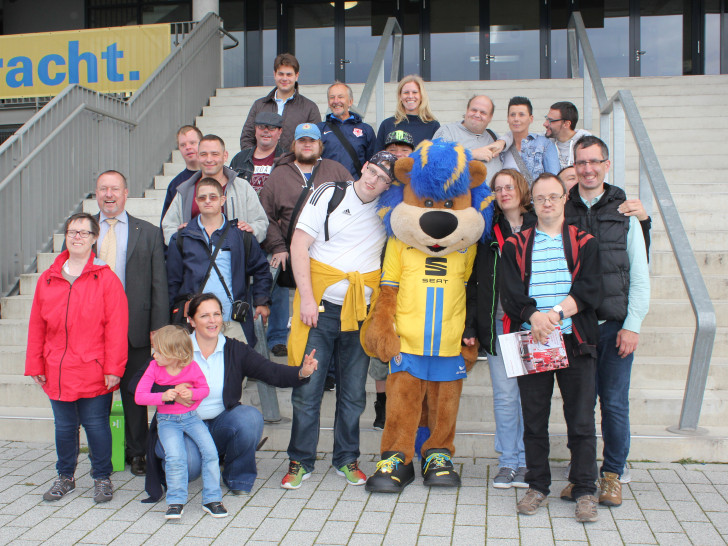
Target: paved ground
x,y
666,504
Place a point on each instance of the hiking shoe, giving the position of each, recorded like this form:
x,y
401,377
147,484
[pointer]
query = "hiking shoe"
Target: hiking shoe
x,y
504,478
610,490
437,469
103,490
279,350
353,475
626,476
380,414
519,480
392,475
296,474
215,509
586,509
61,486
531,502
567,493
174,511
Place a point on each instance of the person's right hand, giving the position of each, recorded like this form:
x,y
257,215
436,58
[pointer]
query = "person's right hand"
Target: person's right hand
x,y
309,312
309,365
279,260
182,226
169,395
541,326
40,379
179,399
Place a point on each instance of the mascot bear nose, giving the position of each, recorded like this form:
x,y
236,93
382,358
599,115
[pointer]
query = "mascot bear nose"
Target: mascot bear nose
x,y
438,224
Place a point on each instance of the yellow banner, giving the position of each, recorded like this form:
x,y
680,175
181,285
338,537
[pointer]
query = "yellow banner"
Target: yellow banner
x,y
108,60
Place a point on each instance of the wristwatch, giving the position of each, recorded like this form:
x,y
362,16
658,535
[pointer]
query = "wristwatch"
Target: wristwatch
x,y
560,311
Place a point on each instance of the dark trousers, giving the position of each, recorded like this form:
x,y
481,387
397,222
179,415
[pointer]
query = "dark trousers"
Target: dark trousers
x,y
136,422
576,384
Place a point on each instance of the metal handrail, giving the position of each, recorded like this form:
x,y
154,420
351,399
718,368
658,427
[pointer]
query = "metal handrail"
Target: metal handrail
x,y
376,72
48,166
622,105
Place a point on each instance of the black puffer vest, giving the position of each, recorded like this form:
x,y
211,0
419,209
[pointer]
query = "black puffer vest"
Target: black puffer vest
x,y
610,228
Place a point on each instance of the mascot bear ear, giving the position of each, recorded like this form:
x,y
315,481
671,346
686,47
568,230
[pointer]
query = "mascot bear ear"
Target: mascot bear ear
x,y
478,173
403,167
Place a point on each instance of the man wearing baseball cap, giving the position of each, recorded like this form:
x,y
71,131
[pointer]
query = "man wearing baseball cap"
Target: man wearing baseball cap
x,y
255,164
399,143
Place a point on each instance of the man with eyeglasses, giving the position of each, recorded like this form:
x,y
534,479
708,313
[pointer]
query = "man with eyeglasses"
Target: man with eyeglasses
x,y
551,278
595,207
336,256
190,272
560,125
256,163
241,201
297,173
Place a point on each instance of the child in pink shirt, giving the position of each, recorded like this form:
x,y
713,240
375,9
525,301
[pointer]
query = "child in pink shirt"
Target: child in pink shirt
x,y
176,416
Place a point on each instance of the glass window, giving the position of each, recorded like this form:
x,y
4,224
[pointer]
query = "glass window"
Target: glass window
x,y
314,41
712,37
514,40
661,38
365,22
270,39
607,25
454,40
559,43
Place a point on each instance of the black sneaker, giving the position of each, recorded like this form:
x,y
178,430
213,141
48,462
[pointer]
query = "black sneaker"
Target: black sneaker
x,y
392,475
61,486
103,490
330,383
380,411
437,469
174,511
279,350
215,509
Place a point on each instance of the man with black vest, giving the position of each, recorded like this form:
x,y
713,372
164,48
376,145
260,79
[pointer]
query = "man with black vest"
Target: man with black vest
x,y
594,207
346,138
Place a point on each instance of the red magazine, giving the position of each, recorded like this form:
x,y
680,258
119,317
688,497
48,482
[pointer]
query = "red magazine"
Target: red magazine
x,y
523,355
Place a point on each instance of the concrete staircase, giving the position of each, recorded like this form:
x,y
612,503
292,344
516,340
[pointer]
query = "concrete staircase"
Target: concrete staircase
x,y
686,128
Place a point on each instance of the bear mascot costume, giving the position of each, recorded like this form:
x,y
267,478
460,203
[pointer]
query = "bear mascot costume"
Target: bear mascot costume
x,y
434,214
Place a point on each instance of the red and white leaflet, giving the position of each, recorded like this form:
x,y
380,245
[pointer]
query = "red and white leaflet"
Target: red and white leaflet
x,y
523,355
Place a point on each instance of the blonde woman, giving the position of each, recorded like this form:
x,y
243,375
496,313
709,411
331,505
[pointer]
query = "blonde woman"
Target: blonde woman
x,y
413,113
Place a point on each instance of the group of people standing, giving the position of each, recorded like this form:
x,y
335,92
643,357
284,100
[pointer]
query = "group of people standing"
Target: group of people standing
x,y
567,249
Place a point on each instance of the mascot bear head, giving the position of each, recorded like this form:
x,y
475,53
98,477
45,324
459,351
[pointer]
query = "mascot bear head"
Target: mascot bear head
x,y
439,203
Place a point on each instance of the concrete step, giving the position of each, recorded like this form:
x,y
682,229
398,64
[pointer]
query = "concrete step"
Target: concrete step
x,y
680,313
710,263
136,206
12,359
14,331
666,287
676,341
20,391
699,240
16,307
27,283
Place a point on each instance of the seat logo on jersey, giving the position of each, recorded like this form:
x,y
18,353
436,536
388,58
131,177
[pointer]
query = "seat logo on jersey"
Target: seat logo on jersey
x,y
436,267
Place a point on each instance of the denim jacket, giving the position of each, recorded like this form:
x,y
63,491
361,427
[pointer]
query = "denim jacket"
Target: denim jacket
x,y
538,153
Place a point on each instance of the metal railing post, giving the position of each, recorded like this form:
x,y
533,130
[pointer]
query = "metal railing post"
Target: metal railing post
x,y
375,79
618,147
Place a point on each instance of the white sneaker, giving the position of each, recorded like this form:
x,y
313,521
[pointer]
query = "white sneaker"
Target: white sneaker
x,y
567,471
626,476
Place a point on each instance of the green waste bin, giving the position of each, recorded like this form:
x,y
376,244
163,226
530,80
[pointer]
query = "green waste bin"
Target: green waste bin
x,y
118,442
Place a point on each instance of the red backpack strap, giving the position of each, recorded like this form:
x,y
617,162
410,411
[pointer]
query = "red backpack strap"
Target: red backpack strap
x,y
499,236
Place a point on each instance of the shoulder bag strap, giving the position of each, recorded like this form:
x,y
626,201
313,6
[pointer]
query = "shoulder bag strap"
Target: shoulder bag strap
x,y
521,165
346,144
213,256
299,204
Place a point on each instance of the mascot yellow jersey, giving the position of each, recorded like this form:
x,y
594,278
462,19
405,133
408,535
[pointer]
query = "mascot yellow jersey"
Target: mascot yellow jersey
x,y
430,316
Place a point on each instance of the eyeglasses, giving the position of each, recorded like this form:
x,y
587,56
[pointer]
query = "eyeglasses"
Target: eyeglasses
x,y
212,197
267,127
550,121
72,233
383,179
590,162
553,198
507,187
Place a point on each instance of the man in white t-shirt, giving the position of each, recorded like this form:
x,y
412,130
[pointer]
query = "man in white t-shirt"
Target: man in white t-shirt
x,y
336,257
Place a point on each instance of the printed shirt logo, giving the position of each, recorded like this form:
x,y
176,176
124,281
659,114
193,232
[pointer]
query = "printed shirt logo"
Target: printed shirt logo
x,y
326,132
358,132
397,360
347,211
436,266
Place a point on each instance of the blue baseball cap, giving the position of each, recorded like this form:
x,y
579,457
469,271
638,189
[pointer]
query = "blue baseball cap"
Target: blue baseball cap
x,y
307,130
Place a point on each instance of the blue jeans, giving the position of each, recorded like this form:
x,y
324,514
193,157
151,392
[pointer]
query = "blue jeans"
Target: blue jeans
x,y
278,320
351,373
236,433
612,387
93,414
172,429
507,410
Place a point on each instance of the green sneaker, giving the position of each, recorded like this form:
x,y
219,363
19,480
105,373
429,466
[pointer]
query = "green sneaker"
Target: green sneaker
x,y
353,475
296,474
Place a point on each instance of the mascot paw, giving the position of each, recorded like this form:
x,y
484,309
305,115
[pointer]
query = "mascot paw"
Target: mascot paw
x,y
470,355
380,337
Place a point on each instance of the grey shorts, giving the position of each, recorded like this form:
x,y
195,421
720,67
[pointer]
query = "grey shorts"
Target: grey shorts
x,y
378,370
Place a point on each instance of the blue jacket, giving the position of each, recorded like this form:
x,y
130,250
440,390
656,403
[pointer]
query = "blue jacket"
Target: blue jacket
x,y
359,134
186,271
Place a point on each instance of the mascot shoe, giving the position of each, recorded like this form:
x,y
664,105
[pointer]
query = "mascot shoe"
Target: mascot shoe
x,y
437,469
392,475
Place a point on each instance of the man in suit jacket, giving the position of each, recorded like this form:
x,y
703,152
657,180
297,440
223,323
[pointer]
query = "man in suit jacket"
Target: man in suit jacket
x,y
134,250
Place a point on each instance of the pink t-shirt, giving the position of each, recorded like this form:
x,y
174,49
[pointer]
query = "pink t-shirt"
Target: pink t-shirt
x,y
158,374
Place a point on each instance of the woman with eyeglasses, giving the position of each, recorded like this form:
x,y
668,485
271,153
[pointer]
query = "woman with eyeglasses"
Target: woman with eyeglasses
x,y
77,351
485,320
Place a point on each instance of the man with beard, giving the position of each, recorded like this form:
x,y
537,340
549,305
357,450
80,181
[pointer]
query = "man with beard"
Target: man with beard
x,y
296,174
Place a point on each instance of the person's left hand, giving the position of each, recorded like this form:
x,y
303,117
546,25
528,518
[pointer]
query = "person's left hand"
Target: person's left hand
x,y
179,399
310,364
40,379
469,341
626,342
633,207
111,381
263,312
184,393
242,226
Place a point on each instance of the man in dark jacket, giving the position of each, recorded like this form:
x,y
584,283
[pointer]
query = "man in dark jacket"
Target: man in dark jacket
x,y
343,127
189,260
255,164
551,278
284,100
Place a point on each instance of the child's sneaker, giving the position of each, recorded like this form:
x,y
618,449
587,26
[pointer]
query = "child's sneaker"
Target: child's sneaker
x,y
61,486
353,475
296,474
215,509
103,490
174,511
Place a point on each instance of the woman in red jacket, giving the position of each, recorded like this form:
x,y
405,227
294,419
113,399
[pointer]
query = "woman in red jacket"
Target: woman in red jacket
x,y
77,350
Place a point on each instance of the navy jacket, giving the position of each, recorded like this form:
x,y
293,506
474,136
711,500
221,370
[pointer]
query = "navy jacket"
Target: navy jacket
x,y
359,134
186,271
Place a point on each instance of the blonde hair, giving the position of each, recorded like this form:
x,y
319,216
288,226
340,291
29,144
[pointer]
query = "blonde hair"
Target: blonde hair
x,y
173,342
424,112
